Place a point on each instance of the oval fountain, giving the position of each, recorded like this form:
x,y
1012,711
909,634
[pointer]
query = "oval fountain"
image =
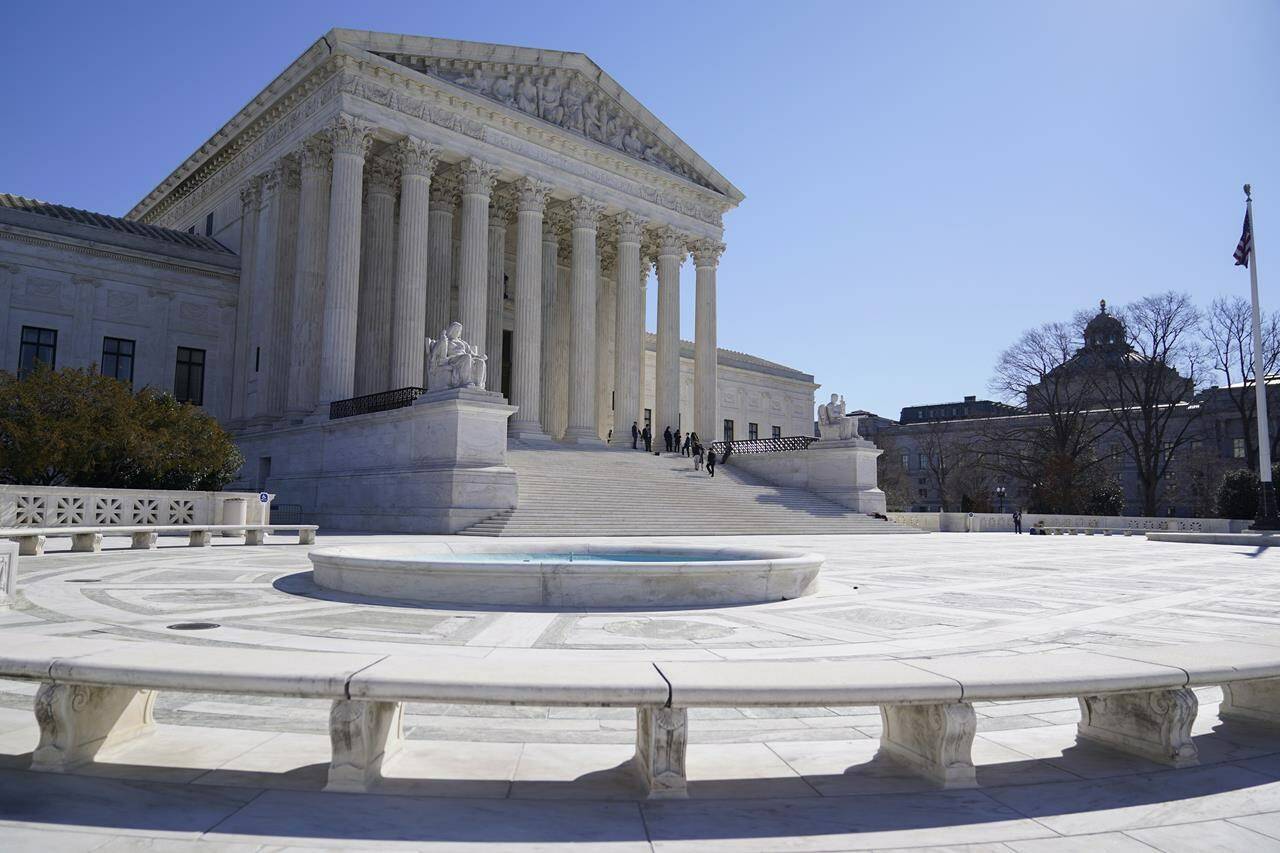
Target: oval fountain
x,y
570,574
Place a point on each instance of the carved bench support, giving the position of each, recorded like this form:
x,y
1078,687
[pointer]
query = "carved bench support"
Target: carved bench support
x,y
255,537
91,542
934,740
200,539
1153,724
30,546
1257,701
364,736
662,735
79,720
306,537
144,541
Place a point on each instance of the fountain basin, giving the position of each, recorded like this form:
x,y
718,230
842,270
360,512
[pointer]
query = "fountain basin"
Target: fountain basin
x,y
567,574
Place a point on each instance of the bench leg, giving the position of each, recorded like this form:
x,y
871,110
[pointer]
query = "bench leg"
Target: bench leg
x,y
91,542
306,537
662,735
1152,724
936,741
145,541
200,539
78,720
255,537
30,546
364,736
1257,701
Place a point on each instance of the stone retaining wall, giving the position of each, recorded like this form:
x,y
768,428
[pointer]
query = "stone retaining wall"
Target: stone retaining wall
x,y
69,506
994,522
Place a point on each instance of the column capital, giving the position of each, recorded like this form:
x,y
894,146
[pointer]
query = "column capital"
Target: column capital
x,y
416,158
478,177
608,251
446,187
250,193
670,242
350,135
383,174
630,227
706,253
316,155
502,206
532,195
586,212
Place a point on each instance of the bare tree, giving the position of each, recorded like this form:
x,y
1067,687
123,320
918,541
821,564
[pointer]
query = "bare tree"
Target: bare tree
x,y
1227,328
892,475
946,453
1144,388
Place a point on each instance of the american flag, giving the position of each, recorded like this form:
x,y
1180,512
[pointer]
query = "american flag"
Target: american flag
x,y
1245,247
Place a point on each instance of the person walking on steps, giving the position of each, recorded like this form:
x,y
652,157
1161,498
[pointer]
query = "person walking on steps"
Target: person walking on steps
x,y
711,463
675,441
666,436
635,433
696,450
688,443
647,435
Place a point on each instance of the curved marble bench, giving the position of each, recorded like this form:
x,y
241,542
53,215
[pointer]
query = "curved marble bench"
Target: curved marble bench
x,y
96,694
31,539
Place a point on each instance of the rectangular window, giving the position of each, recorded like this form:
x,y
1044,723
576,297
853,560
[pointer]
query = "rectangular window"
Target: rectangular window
x,y
906,461
38,346
208,225
117,359
777,431
728,429
924,493
922,461
1237,448
753,431
188,378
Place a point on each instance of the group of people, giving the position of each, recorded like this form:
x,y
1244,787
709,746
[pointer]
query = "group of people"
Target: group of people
x,y
687,444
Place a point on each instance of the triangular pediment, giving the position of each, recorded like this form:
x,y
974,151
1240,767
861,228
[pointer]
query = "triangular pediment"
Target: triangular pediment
x,y
567,90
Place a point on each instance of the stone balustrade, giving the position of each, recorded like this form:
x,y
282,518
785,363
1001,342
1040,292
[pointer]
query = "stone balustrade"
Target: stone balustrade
x,y
63,506
98,694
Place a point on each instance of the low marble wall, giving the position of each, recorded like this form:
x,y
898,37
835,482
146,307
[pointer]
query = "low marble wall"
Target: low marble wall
x,y
993,522
840,471
8,572
72,506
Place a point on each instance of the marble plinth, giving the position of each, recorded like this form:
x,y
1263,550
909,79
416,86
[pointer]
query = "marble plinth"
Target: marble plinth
x,y
843,472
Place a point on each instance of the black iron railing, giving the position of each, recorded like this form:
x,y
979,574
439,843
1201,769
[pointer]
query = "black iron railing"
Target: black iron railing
x,y
764,445
381,402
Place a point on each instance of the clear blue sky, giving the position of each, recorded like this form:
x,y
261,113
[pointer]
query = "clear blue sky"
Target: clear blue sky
x,y
924,179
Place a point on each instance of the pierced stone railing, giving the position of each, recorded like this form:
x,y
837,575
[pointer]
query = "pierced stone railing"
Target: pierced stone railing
x,y
383,401
74,506
764,445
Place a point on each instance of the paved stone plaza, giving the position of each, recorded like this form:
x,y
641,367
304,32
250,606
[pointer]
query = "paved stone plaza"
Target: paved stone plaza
x,y
246,771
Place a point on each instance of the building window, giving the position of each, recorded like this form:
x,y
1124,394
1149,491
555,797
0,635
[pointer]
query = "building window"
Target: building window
x,y
777,431
906,461
117,359
728,429
924,493
921,461
753,431
38,346
188,379
648,417
1237,448
208,225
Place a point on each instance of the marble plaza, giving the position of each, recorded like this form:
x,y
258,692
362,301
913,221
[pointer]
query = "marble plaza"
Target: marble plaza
x,y
245,771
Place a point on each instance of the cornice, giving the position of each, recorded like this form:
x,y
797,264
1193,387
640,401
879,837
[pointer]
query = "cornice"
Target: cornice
x,y
79,247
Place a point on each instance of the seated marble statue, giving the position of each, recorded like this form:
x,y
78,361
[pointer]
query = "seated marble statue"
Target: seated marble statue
x,y
832,422
454,363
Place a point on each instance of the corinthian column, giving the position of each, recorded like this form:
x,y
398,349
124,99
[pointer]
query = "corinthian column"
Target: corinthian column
x,y
666,409
478,179
250,196
582,322
706,256
606,294
307,315
350,139
629,323
409,314
526,362
500,210
377,290
550,281
445,190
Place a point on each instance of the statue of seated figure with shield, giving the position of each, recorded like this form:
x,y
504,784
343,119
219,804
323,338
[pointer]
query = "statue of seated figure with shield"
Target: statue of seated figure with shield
x,y
454,363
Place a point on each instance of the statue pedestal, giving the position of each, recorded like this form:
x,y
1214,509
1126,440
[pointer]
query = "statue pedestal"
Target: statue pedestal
x,y
842,471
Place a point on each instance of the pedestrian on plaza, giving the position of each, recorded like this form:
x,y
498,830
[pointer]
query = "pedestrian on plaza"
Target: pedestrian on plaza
x,y
1017,521
724,457
647,435
693,437
697,457
666,436
688,443
675,441
635,433
711,463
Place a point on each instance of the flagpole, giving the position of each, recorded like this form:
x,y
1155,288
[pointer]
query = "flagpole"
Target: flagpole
x,y
1266,517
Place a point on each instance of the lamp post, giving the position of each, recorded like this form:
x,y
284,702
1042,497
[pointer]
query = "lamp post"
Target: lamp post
x,y
1000,494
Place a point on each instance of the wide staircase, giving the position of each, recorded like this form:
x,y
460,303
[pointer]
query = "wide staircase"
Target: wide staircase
x,y
569,491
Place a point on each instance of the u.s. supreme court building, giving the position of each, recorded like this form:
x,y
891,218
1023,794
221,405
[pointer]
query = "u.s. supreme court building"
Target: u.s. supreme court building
x,y
379,188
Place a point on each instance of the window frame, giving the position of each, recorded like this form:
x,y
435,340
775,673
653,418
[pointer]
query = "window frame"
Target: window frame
x,y
185,376
36,346
131,355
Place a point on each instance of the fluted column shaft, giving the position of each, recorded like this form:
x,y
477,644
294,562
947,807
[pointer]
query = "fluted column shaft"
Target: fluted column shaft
x,y
606,291
307,314
444,200
377,289
666,409
351,141
546,371
629,322
409,313
249,198
276,345
582,322
499,216
473,264
706,256
526,362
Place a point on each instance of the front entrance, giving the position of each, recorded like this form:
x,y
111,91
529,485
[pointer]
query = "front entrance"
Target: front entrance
x,y
506,363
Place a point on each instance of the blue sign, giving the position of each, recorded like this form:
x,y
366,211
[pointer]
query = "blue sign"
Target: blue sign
x,y
264,497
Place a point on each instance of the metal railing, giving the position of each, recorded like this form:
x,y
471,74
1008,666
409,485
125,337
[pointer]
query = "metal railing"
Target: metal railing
x,y
764,445
381,402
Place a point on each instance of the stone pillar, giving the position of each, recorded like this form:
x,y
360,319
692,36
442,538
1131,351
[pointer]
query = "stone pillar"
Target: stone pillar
x,y
500,209
582,321
648,258
550,254
666,408
350,139
273,292
249,198
526,362
377,289
629,325
444,199
307,314
409,306
561,337
478,179
706,255
607,248
278,344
